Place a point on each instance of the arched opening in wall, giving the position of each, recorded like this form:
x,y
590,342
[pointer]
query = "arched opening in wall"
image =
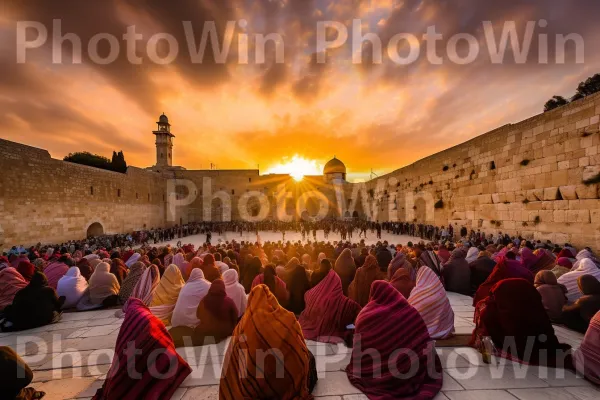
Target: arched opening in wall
x,y
421,210
95,229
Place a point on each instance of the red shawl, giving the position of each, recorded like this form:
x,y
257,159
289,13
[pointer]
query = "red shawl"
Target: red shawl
x,y
328,312
505,269
389,325
54,271
147,334
401,282
26,269
11,282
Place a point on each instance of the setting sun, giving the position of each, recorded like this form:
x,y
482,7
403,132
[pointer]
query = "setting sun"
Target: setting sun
x,y
298,167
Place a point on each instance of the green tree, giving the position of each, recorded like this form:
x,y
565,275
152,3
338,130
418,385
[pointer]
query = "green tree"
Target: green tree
x,y
117,163
555,102
588,87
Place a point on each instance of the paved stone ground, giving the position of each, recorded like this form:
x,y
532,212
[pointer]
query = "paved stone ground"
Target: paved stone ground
x,y
70,360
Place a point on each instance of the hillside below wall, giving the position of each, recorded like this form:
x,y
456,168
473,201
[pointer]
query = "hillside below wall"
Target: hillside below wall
x,y
522,179
51,201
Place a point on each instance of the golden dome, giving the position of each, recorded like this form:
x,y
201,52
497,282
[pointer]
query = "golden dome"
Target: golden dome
x,y
334,166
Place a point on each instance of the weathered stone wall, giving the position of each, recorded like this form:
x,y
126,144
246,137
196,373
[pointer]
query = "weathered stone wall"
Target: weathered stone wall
x,y
526,178
49,201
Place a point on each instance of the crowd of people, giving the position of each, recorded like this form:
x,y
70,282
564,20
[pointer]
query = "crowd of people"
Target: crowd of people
x,y
276,295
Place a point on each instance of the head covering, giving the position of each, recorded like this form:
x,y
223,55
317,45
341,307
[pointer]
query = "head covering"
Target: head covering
x,y
26,269
514,317
566,253
431,301
505,269
399,261
166,294
72,286
85,268
135,273
457,273
118,269
146,285
54,271
132,259
586,359
276,285
570,279
102,284
345,268
365,276
235,291
472,254
190,296
266,325
553,295
216,301
328,312
210,270
401,282
529,259
148,336
388,324
11,282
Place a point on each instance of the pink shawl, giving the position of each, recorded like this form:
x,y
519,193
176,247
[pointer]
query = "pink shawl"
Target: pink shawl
x,y
430,300
11,282
587,357
54,271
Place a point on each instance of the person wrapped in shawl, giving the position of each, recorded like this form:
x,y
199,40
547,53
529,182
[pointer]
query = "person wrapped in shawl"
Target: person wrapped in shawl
x,y
54,271
345,267
72,287
457,273
585,266
166,294
428,258
360,287
15,377
218,317
481,269
297,284
514,317
505,269
135,273
11,282
399,261
119,270
144,289
210,270
190,296
158,369
402,282
252,269
578,315
248,374
26,269
586,358
563,266
235,291
328,312
85,267
276,285
389,324
431,301
553,294
103,289
33,306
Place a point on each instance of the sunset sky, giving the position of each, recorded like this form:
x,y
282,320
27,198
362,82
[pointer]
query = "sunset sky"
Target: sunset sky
x,y
371,116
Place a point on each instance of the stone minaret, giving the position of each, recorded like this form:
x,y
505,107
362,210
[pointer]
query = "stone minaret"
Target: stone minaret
x,y
164,143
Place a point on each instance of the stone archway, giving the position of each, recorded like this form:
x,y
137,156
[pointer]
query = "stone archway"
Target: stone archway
x,y
95,229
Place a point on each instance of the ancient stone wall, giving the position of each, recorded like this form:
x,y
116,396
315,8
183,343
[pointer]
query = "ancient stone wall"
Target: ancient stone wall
x,y
49,201
537,178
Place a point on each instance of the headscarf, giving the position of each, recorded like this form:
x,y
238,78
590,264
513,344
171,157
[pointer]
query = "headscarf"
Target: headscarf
x,y
210,270
569,280
431,301
72,286
563,266
132,259
276,286
217,303
443,254
146,285
250,272
235,291
401,282
328,312
85,268
388,324
166,294
529,259
513,315
505,269
472,254
553,295
457,273
566,253
399,261
145,333
11,282
365,276
102,284
586,359
190,296
345,267
26,269
135,273
266,325
430,259
54,271
118,269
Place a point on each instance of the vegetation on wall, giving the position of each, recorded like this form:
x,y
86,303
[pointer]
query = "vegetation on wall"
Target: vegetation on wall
x,y
593,180
525,162
586,88
117,164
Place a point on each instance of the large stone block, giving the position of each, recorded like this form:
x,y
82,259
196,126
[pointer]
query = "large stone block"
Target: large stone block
x,y
568,192
587,191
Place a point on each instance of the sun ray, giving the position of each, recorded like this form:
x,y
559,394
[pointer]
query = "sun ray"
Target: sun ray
x,y
297,167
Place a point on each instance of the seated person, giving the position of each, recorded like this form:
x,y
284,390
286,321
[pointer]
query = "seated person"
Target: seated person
x,y
190,296
218,317
158,370
72,287
553,295
34,306
235,290
511,316
481,269
431,301
103,289
11,281
586,359
135,273
274,283
328,312
578,315
166,294
388,324
361,285
506,268
267,326
457,274
585,266
15,376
